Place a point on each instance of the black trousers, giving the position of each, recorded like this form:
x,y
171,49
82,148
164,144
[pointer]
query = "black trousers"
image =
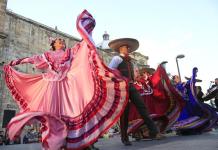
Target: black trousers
x,y
216,102
137,100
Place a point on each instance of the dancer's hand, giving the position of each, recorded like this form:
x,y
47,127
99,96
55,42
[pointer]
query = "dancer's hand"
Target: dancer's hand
x,y
21,61
13,63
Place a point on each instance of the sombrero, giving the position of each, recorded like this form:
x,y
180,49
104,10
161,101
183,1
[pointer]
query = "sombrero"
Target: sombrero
x,y
197,80
148,70
132,44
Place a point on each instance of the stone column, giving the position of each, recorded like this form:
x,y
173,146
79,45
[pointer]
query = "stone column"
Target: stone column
x,y
3,4
3,36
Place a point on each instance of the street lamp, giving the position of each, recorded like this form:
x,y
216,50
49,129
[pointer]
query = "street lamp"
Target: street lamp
x,y
179,57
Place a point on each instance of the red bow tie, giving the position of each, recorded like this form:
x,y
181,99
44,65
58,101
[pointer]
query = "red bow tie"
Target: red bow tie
x,y
127,58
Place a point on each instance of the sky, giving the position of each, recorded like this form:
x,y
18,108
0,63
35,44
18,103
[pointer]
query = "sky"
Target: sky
x,y
164,28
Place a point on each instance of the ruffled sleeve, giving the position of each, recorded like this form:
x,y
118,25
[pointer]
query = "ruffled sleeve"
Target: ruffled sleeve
x,y
38,60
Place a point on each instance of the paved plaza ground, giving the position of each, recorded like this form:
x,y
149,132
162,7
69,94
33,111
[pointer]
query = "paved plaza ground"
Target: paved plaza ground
x,y
206,141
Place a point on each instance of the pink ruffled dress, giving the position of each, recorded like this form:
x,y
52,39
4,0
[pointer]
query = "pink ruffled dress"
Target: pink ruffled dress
x,y
77,99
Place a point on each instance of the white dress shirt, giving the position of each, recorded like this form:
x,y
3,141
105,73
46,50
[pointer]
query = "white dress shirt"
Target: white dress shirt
x,y
116,60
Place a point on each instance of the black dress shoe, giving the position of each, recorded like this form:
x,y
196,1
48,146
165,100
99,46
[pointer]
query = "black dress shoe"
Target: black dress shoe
x,y
93,147
158,136
126,142
87,148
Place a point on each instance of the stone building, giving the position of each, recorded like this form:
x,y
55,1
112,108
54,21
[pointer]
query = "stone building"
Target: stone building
x,y
22,37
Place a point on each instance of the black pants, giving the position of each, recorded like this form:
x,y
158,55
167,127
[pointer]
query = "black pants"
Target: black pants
x,y
137,100
216,103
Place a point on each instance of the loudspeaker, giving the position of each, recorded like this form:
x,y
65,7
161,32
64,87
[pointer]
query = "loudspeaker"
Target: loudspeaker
x,y
8,114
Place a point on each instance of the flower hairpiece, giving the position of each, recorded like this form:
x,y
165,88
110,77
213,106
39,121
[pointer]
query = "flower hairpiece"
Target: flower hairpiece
x,y
51,39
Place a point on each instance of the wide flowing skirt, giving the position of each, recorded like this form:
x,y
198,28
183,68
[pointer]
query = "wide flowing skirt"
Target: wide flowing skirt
x,y
75,110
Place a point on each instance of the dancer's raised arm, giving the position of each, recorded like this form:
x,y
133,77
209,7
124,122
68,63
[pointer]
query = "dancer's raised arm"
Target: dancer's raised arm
x,y
85,24
30,60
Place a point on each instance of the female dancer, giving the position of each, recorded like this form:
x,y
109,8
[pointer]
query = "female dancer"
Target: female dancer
x,y
196,117
77,99
160,97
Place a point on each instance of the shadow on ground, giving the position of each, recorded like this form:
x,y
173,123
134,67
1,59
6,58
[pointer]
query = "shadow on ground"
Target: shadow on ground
x,y
206,141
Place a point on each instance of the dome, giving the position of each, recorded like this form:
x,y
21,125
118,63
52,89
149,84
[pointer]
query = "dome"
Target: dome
x,y
105,42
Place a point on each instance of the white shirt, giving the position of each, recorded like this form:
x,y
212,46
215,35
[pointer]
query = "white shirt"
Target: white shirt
x,y
116,60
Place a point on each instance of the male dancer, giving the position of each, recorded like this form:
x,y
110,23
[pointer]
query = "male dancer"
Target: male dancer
x,y
123,63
